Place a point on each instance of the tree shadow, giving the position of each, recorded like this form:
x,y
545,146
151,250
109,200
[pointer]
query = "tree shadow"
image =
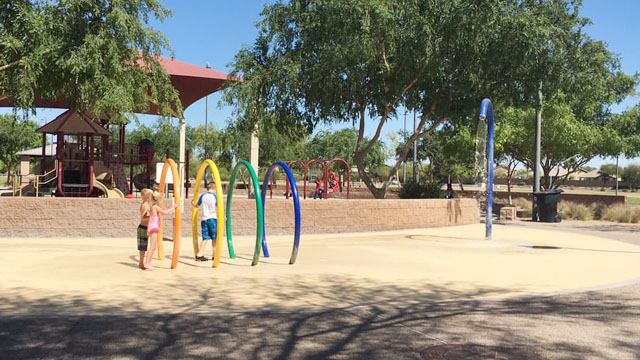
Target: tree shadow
x,y
365,321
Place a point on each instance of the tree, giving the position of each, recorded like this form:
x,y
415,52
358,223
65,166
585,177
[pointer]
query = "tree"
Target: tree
x,y
341,144
362,61
608,172
632,175
568,142
98,56
162,134
15,135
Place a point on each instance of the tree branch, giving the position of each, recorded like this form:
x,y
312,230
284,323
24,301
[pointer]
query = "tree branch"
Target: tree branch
x,y
9,65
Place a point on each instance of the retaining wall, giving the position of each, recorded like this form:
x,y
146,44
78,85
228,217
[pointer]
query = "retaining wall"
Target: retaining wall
x,y
97,217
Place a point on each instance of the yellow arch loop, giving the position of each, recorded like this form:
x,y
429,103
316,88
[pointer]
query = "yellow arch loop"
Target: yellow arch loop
x,y
220,210
178,215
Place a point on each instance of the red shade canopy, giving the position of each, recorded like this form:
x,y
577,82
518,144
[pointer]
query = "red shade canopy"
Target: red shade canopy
x,y
190,81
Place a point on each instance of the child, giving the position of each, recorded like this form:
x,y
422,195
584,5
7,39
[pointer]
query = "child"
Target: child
x,y
209,202
319,191
154,226
143,238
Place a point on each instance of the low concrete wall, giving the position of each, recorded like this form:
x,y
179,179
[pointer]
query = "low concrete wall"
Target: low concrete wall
x,y
82,217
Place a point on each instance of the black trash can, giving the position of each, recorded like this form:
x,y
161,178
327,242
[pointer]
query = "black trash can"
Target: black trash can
x,y
545,206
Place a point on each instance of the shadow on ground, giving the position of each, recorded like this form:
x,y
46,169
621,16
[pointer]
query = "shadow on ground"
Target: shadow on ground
x,y
373,323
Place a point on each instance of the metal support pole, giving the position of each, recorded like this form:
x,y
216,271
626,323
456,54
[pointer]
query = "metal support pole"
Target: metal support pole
x,y
486,113
415,152
404,133
617,156
536,168
206,124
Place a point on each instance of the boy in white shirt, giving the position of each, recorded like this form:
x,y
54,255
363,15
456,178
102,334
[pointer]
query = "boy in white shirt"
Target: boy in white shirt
x,y
209,204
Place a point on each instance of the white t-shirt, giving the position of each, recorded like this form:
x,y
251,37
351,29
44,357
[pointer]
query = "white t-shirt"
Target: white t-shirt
x,y
209,203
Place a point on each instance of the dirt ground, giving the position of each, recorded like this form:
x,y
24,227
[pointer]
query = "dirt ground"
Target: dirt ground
x,y
568,291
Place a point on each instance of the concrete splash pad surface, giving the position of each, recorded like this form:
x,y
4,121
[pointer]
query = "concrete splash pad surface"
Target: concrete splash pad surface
x,y
388,270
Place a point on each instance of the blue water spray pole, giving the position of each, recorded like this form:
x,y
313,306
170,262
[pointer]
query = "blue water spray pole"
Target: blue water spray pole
x,y
486,113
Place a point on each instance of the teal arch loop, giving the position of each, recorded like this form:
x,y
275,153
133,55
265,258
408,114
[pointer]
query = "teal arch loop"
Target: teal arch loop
x,y
259,212
296,206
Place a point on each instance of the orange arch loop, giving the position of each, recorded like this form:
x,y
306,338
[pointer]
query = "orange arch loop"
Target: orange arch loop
x,y
177,219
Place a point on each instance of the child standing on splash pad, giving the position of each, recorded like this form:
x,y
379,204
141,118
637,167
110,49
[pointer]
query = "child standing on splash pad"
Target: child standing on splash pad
x,y
154,226
143,237
209,203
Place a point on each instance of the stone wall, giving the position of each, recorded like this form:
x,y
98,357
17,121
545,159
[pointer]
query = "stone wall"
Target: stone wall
x,y
92,217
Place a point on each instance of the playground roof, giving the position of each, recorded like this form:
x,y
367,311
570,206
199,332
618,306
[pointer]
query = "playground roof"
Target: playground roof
x,y
71,122
192,83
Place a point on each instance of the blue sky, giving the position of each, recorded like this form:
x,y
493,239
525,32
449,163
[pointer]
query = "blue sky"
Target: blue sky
x,y
213,31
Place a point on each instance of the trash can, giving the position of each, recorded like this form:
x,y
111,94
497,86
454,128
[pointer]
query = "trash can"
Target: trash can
x,y
545,206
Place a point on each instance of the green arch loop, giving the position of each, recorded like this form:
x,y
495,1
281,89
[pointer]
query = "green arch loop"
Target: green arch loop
x,y
256,190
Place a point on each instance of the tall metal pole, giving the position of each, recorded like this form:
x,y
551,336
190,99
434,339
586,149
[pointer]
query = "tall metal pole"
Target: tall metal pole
x,y
206,121
486,113
415,152
536,168
404,133
617,156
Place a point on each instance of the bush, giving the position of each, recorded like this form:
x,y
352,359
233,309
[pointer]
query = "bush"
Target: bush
x,y
421,190
573,211
598,209
622,214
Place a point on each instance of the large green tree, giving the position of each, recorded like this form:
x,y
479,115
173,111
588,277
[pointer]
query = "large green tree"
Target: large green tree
x,y
362,61
98,56
341,144
15,135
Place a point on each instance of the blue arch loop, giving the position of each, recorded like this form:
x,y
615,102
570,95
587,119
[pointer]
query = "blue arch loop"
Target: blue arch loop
x,y
296,206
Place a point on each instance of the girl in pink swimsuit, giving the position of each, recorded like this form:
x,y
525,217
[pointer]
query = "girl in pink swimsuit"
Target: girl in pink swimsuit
x,y
154,226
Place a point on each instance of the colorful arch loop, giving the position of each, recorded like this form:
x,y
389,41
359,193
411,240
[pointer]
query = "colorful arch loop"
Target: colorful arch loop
x,y
296,206
177,218
259,213
220,209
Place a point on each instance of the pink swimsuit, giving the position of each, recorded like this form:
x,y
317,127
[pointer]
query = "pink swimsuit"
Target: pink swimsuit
x,y
154,224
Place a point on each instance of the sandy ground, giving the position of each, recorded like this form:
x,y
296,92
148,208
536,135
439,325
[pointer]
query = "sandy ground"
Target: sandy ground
x,y
100,276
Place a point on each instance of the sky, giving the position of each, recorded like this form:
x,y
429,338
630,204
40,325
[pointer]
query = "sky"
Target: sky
x,y
213,31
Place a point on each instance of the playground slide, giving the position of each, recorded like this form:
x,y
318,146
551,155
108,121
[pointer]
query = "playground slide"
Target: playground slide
x,y
109,191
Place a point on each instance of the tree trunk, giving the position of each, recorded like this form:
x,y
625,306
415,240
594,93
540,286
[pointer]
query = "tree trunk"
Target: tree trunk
x,y
460,183
378,193
509,189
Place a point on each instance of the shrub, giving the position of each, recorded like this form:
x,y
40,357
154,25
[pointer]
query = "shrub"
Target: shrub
x,y
420,190
571,210
622,214
597,209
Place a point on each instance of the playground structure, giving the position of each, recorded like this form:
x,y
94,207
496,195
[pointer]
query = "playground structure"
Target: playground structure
x,y
85,143
260,196
326,172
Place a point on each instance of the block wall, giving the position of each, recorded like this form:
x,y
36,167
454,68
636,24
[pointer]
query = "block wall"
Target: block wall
x,y
91,217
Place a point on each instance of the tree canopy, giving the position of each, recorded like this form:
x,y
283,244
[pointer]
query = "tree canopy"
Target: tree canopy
x,y
98,56
364,61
